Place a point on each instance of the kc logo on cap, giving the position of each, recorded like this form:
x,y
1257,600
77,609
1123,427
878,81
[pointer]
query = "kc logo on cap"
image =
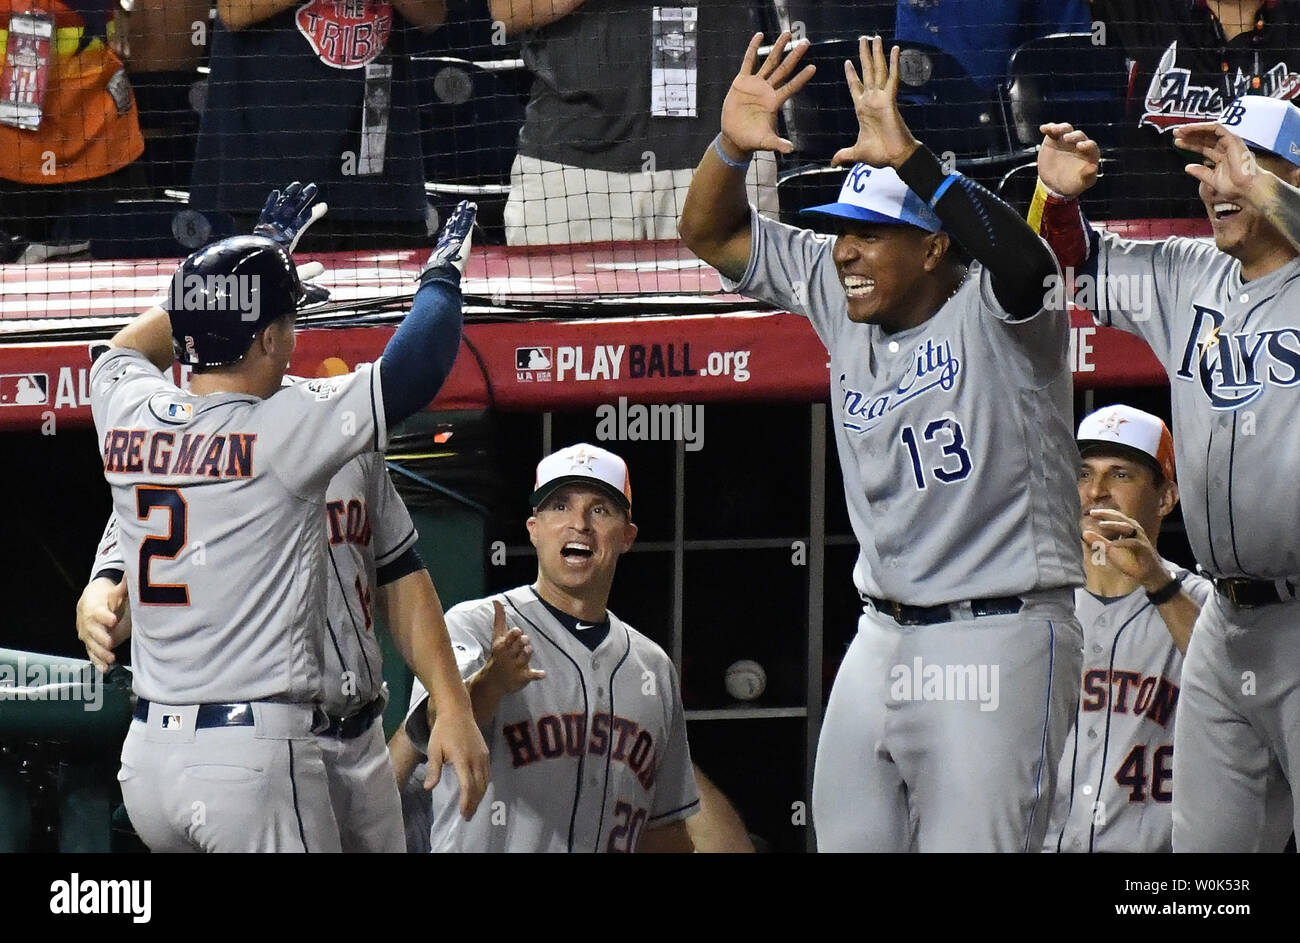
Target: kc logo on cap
x,y
878,195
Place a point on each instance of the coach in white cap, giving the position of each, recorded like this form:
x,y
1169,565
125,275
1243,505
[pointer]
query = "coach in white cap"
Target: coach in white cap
x,y
1224,319
582,713
1115,784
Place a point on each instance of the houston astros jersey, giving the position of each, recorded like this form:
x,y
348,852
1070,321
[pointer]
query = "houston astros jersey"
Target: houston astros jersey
x,y
219,500
367,527
955,437
1232,352
585,759
1115,784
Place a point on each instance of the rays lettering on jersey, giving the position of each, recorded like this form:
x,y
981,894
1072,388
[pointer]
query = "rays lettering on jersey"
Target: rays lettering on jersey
x,y
551,737
1152,695
349,522
223,456
1233,369
932,366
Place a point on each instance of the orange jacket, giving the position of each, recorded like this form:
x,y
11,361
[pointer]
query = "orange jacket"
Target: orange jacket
x,y
86,130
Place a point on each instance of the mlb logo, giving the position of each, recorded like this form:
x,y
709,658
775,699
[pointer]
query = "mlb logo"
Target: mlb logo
x,y
24,389
171,721
533,364
533,358
179,411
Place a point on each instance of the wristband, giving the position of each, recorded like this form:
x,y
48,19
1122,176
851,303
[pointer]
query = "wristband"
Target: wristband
x,y
733,164
943,187
1165,593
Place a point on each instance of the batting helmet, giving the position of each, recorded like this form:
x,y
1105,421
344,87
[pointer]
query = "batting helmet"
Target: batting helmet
x,y
225,293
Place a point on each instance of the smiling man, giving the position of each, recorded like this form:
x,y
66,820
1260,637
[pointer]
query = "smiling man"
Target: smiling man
x,y
582,713
1226,326
952,402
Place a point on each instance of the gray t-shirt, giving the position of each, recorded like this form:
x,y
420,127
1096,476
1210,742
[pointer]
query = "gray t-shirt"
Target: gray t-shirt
x,y
955,437
220,500
1234,398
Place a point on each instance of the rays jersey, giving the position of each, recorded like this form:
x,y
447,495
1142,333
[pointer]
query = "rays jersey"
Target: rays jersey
x,y
955,437
1114,789
583,760
1232,352
219,501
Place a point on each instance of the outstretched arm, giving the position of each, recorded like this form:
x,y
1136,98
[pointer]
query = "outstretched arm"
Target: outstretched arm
x,y
715,219
990,230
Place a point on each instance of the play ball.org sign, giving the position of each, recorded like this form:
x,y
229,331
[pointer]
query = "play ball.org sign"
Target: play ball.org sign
x,y
240,293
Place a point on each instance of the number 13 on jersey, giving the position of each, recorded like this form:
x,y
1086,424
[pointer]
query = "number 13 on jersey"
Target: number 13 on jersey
x,y
947,436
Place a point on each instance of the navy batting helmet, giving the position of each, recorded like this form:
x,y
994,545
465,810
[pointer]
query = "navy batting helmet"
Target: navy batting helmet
x,y
225,293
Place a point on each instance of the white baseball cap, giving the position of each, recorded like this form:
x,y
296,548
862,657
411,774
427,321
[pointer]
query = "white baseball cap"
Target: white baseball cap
x,y
1131,429
583,464
1269,124
878,195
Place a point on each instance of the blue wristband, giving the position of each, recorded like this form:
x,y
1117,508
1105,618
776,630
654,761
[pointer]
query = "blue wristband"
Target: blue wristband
x,y
947,182
734,164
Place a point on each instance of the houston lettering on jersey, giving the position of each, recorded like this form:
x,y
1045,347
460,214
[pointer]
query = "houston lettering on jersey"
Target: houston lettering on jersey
x,y
1233,369
1130,692
348,522
218,456
346,34
554,736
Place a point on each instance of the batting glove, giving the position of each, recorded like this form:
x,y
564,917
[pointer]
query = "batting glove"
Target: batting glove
x,y
288,215
451,252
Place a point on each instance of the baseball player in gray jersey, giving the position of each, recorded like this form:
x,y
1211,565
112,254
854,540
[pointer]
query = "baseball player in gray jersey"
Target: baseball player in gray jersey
x,y
952,404
584,714
1116,779
373,566
1224,319
220,493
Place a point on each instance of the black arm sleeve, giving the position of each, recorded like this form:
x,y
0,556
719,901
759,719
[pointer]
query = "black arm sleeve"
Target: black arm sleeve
x,y
404,565
989,230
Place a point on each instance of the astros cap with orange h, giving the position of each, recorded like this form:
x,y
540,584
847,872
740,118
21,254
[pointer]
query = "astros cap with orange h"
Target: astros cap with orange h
x,y
1129,430
583,464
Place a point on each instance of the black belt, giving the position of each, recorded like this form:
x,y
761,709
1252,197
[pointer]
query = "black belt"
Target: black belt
x,y
209,715
354,725
1247,594
904,614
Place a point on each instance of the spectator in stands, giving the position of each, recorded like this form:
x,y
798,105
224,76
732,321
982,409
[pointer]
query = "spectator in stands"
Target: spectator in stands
x,y
69,131
982,34
625,98
317,91
1189,60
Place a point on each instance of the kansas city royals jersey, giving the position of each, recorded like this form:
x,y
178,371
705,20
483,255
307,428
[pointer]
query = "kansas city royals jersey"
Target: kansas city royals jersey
x,y
367,527
1115,784
955,436
584,759
1232,352
219,501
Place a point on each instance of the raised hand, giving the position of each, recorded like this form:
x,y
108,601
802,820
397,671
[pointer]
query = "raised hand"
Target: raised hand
x,y
1068,161
1126,546
288,215
883,137
451,251
1233,171
509,664
749,111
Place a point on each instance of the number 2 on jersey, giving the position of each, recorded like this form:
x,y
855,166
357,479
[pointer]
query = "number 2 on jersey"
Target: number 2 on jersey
x,y
149,498
954,448
626,832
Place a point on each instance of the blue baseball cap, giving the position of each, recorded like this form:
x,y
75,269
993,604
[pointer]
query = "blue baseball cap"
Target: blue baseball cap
x,y
878,195
1269,124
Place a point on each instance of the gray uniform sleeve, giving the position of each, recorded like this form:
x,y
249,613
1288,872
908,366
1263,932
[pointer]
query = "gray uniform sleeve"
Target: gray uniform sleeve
x,y
1197,587
1138,286
108,555
393,530
314,428
470,645
677,796
792,269
120,380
